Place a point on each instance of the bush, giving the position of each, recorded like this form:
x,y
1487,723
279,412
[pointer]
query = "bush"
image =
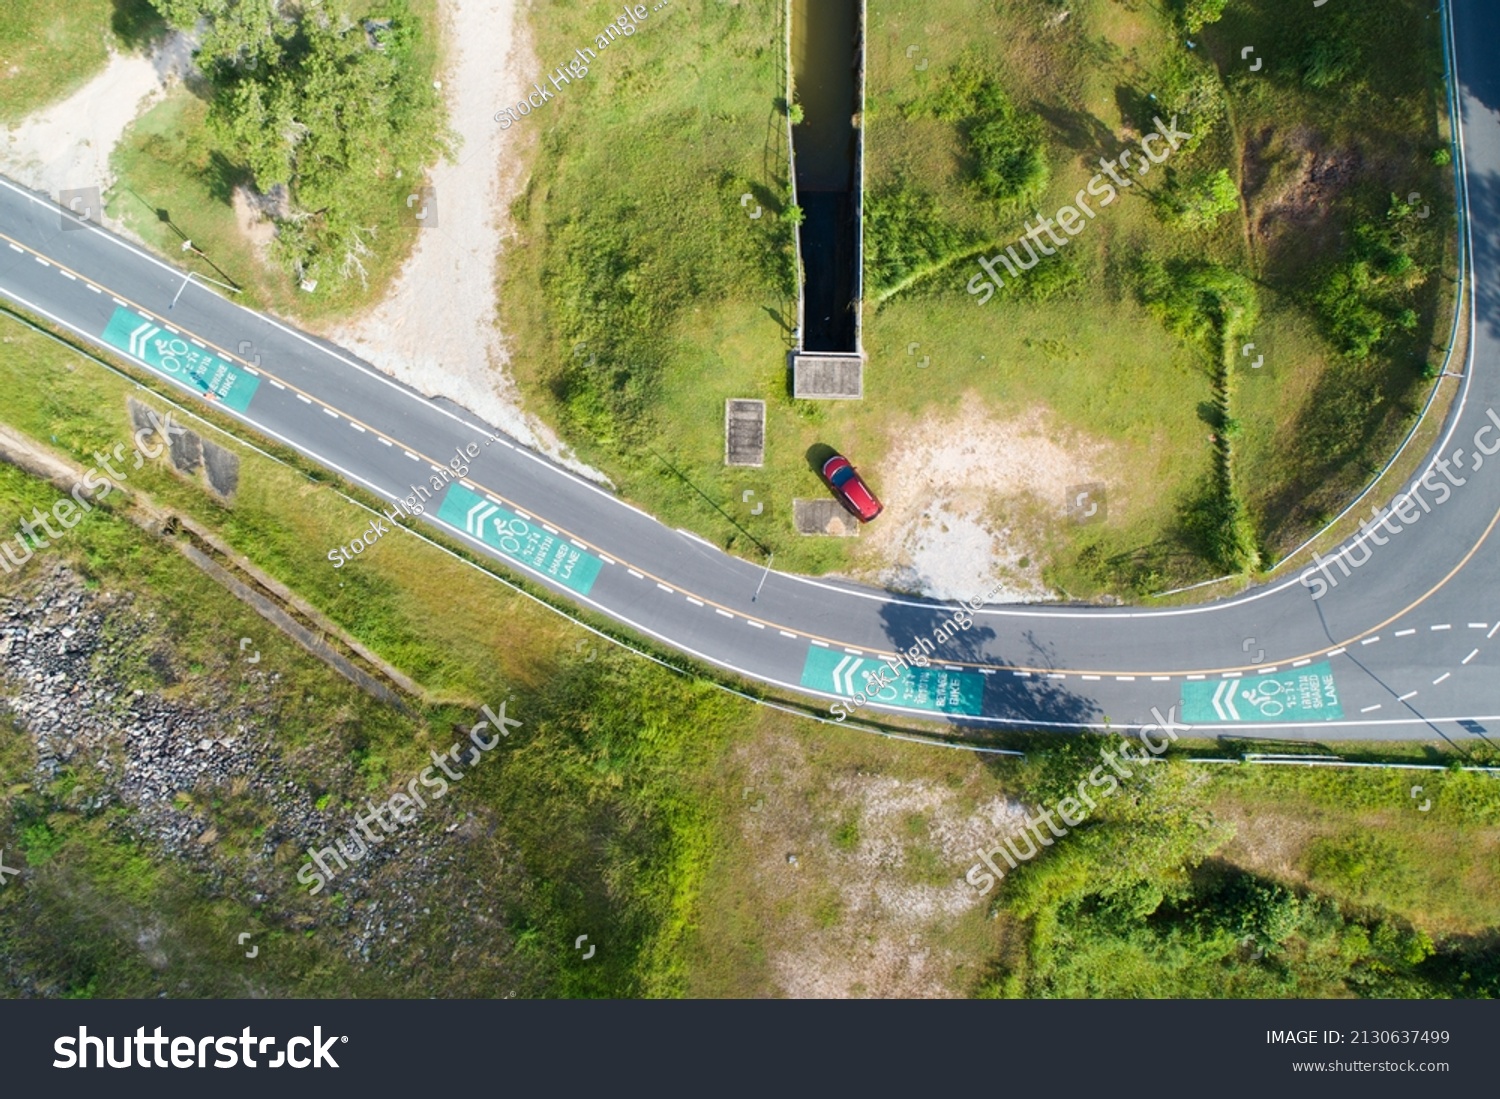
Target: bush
x,y
1198,300
1367,298
1197,14
307,103
1006,146
1330,58
1186,87
1200,201
905,237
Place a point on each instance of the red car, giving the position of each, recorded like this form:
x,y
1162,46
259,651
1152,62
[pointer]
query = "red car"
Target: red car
x,y
850,488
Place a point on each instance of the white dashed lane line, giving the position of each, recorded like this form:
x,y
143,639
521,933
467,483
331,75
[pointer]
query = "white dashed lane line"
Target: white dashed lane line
x,y
1444,626
304,399
383,440
695,602
725,613
330,412
1440,678
635,574
356,427
1301,663
1370,640
663,587
1405,633
1368,709
1408,694
785,633
1470,657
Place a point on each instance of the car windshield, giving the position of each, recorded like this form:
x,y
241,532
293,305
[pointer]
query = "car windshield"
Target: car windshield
x,y
842,475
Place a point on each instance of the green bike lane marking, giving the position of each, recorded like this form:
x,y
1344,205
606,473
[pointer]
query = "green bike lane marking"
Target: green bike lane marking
x,y
1303,694
935,690
171,356
555,558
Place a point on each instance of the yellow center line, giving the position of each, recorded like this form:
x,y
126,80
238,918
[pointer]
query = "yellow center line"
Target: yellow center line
x,y
832,642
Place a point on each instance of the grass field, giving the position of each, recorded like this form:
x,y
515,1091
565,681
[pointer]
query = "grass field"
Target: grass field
x,y
48,50
1216,464
649,810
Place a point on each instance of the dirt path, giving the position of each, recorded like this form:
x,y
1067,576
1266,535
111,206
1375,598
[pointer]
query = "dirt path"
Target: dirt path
x,y
437,329
67,145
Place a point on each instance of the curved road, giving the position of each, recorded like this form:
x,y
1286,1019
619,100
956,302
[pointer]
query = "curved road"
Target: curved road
x,y
1406,643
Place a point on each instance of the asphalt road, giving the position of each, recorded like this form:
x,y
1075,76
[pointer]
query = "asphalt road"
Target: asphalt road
x,y
1407,644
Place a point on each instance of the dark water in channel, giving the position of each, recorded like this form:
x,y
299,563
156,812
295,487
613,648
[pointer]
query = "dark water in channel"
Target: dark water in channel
x,y
825,70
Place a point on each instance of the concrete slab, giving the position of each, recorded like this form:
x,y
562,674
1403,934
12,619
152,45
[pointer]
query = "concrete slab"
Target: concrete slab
x,y
825,517
223,469
828,376
744,432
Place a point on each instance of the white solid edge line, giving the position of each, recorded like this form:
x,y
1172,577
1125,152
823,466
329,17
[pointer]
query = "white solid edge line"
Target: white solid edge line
x,y
794,687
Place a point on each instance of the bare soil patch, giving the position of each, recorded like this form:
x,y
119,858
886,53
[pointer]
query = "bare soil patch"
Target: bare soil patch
x,y
969,500
1291,182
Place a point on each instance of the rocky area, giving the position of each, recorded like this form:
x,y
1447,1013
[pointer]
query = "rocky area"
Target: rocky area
x,y
67,657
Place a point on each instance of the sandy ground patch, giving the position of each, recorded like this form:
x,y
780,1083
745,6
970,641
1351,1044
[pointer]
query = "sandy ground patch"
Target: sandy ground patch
x,y
437,329
967,499
250,221
67,145
871,916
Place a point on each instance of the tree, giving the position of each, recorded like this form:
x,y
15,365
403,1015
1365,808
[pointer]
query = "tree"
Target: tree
x,y
306,102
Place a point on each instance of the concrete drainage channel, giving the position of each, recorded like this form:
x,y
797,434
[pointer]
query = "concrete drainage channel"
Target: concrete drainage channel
x,y
270,599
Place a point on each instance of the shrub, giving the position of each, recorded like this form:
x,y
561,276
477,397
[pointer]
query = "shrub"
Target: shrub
x,y
1330,58
905,237
1199,201
1198,300
1197,14
1006,146
1366,298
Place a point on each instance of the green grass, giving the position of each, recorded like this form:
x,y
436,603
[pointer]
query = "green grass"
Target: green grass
x,y
619,811
48,51
632,341
594,819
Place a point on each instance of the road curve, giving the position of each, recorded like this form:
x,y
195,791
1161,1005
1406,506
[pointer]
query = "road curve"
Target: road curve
x,y
1404,642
